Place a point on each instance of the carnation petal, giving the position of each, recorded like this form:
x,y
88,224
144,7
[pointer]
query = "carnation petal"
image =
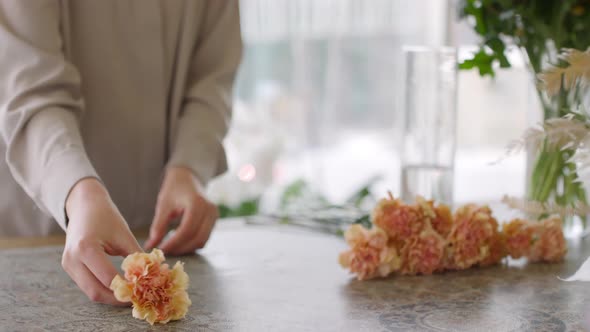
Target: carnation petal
x,y
121,289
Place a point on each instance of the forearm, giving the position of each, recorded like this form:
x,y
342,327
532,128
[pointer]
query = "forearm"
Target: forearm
x,y
198,146
204,120
40,105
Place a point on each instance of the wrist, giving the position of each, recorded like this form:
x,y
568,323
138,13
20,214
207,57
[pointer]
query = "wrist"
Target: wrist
x,y
84,192
183,174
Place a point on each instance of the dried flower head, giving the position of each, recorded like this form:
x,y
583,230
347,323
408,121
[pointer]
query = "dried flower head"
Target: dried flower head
x,y
439,216
535,208
558,133
576,72
519,237
539,241
158,293
549,244
399,220
469,242
369,255
497,250
423,254
581,159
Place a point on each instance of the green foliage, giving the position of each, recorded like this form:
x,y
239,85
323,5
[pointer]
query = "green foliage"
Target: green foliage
x,y
357,198
245,208
293,192
540,28
364,221
532,25
300,191
301,205
482,61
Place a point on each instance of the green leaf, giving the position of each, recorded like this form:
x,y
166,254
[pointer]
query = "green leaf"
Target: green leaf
x,y
467,64
357,198
497,46
244,209
224,210
361,194
293,192
482,61
365,221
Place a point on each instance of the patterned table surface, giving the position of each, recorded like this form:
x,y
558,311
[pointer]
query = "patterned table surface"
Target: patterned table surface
x,y
278,278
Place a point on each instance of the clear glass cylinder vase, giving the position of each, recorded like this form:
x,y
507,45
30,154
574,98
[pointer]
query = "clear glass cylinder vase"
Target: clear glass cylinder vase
x,y
430,103
540,109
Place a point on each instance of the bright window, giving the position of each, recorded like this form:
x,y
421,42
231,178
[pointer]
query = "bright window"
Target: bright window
x,y
319,97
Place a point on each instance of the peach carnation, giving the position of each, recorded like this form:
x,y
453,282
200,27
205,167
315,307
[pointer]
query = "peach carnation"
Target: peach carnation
x,y
497,250
549,244
400,221
369,255
519,237
470,239
158,293
423,254
440,216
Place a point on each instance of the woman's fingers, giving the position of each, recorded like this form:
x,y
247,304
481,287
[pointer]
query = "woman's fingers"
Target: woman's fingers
x,y
127,245
99,264
184,191
202,236
205,231
189,226
159,228
89,284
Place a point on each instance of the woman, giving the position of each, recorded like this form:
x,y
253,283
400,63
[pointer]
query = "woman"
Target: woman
x,y
112,115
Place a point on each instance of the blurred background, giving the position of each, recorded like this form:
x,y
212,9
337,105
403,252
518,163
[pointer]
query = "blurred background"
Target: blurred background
x,y
318,101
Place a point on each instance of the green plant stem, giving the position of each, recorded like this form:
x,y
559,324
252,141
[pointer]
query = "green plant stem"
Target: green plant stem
x,y
569,189
538,172
550,180
550,167
581,193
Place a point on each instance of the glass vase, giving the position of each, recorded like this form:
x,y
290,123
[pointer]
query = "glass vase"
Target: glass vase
x,y
428,154
561,177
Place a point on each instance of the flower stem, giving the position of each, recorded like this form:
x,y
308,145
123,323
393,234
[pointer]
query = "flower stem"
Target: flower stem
x,y
550,180
539,171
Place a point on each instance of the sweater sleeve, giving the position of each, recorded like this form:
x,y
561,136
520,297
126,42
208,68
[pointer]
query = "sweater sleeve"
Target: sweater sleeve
x,y
206,112
40,105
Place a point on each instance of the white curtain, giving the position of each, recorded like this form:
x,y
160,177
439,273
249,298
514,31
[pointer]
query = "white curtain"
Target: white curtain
x,y
265,20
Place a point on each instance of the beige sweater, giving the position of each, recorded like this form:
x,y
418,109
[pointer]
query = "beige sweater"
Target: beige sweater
x,y
113,89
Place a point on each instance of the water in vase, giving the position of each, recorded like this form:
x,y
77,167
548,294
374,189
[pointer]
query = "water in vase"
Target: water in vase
x,y
430,181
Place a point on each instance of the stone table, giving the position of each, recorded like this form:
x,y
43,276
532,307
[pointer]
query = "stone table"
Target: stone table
x,y
280,278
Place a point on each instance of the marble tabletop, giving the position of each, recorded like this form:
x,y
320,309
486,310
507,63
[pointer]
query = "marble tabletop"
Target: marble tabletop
x,y
281,278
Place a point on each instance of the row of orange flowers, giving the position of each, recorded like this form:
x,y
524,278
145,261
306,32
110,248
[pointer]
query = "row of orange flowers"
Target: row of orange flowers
x,y
424,238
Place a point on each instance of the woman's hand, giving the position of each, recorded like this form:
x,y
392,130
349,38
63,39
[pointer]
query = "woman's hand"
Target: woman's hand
x,y
95,229
181,196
